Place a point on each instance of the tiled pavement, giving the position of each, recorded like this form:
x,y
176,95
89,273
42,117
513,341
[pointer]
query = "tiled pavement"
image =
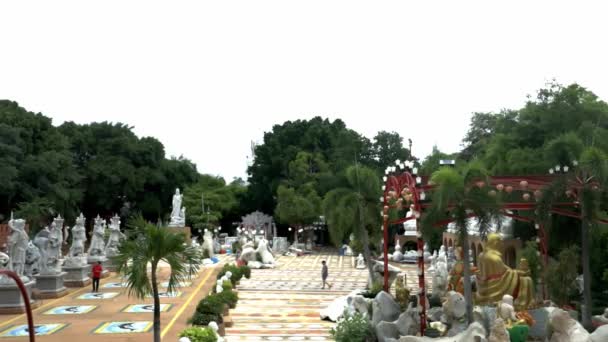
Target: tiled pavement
x,y
283,304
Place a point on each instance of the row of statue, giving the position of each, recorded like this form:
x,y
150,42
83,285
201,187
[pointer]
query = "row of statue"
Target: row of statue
x,y
43,254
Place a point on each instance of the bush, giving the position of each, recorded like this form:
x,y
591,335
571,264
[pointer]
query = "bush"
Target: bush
x,y
229,298
353,328
196,334
376,288
203,319
561,276
211,304
530,253
227,286
245,271
237,274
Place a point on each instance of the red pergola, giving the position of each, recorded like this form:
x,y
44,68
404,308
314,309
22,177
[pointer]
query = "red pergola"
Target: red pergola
x,y
407,185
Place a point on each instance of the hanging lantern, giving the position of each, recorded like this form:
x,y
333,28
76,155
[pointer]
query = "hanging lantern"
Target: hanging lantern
x,y
492,193
526,196
509,189
385,217
500,187
569,193
523,184
385,209
480,184
538,194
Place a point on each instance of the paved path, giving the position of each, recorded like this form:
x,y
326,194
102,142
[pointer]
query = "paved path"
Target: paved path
x,y
81,316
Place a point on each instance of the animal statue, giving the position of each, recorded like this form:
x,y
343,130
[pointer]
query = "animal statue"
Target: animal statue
x,y
475,332
264,252
565,328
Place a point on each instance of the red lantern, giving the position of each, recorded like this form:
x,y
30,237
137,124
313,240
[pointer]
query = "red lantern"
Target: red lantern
x,y
538,194
509,189
500,187
492,193
526,196
523,184
480,184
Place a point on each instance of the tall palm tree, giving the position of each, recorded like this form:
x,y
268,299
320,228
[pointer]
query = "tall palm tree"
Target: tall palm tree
x,y
458,197
354,208
149,244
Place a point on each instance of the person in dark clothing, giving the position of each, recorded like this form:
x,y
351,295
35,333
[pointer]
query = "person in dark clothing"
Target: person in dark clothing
x,y
96,273
324,274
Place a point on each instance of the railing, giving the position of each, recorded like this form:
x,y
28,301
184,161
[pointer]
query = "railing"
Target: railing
x,y
26,299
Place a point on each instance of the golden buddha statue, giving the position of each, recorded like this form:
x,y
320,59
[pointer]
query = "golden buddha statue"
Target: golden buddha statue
x,y
495,279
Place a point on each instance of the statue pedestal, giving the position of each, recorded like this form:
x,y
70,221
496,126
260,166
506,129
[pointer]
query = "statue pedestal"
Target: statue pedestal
x,y
11,301
183,230
77,276
50,286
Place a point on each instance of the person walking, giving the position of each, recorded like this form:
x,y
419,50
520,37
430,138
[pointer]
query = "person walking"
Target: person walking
x,y
324,274
96,272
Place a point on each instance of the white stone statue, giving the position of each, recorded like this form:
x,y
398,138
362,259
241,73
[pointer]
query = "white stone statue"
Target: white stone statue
x,y
5,263
360,262
264,252
208,243
347,250
178,213
451,258
116,236
17,246
41,240
397,255
498,332
55,243
219,285
440,276
32,260
433,261
215,329
454,309
506,310
79,237
248,252
58,222
601,319
426,253
97,247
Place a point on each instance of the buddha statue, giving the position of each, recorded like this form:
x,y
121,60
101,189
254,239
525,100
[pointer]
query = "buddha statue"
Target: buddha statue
x,y
495,279
456,277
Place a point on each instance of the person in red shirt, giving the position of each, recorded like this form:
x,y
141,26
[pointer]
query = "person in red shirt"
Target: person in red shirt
x,y
96,271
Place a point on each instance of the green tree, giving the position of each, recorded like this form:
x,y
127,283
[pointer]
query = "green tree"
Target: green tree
x,y
353,209
455,197
149,244
297,208
388,147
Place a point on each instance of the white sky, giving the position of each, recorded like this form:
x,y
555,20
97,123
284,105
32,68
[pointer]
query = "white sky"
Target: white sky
x,y
207,77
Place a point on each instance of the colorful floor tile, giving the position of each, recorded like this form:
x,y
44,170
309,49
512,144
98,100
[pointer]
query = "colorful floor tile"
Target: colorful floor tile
x,y
182,284
40,329
123,327
98,295
71,310
114,285
139,308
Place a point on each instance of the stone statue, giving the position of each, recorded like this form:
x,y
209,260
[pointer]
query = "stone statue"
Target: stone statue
x,y
360,262
60,233
451,258
55,243
178,213
497,279
17,246
397,255
208,244
454,310
97,247
506,311
116,236
248,252
5,263
499,332
79,237
426,254
440,277
456,278
565,328
601,319
264,252
32,260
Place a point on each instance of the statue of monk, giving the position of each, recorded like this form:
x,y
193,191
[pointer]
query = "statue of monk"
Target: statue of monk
x,y
496,279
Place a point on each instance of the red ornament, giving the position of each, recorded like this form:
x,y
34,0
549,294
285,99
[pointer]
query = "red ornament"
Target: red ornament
x,y
500,187
492,193
523,184
509,189
526,197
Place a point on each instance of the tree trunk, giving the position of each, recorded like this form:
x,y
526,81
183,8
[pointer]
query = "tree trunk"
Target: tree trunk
x,y
586,312
156,304
468,295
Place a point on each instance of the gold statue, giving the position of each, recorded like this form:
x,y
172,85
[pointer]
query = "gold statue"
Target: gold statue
x,y
495,279
456,278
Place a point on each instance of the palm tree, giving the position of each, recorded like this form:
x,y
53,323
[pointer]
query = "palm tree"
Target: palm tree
x,y
149,244
354,208
455,197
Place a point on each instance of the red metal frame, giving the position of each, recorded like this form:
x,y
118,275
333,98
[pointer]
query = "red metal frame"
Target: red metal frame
x,y
26,299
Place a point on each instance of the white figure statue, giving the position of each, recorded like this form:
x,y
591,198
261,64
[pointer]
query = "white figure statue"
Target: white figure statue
x,y
506,310
79,237
264,252
451,258
41,240
565,328
55,243
116,236
208,243
219,285
58,222
360,262
426,253
440,277
17,246
215,329
97,247
248,253
178,213
32,260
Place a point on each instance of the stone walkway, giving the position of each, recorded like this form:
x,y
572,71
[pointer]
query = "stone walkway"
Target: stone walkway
x,y
110,315
283,304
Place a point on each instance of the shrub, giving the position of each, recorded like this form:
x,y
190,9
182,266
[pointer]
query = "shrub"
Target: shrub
x,y
352,328
235,270
561,276
229,298
245,271
530,253
196,334
227,286
372,292
211,304
203,319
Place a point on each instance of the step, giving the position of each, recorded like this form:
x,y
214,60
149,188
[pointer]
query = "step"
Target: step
x,y
236,337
